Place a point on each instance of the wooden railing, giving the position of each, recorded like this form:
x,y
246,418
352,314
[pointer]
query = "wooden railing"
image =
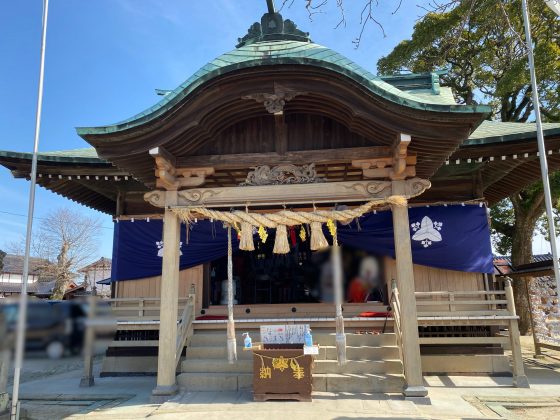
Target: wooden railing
x,y
139,309
460,303
143,313
473,308
397,325
185,327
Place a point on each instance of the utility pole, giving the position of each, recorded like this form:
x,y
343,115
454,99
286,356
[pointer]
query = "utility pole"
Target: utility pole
x,y
541,145
22,313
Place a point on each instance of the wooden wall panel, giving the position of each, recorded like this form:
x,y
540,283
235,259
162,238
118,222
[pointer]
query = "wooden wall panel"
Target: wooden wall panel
x,y
305,132
430,279
314,132
150,287
255,135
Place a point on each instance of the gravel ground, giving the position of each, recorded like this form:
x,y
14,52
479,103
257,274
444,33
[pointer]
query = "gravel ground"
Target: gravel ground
x,y
37,366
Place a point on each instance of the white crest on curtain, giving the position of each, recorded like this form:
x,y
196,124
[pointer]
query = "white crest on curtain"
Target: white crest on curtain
x,y
427,231
159,245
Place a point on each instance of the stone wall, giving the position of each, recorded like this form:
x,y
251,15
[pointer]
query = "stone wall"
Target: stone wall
x,y
546,315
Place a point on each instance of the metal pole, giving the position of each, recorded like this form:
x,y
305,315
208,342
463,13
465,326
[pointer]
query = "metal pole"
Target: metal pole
x,y
542,149
22,314
270,5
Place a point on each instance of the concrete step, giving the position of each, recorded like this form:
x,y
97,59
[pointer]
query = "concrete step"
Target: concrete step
x,y
360,353
359,367
325,353
218,338
197,381
215,352
216,365
321,366
358,383
215,381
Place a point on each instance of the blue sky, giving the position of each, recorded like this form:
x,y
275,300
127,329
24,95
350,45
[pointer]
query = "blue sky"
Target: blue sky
x,y
106,57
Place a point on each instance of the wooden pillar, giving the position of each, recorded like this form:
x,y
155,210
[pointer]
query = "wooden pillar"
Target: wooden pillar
x,y
405,283
166,383
519,378
89,343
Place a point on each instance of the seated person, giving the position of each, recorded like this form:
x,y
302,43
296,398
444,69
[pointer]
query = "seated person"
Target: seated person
x,y
366,287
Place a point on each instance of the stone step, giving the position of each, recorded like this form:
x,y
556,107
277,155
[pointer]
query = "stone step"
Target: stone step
x,y
218,338
202,381
358,366
363,383
321,366
360,353
216,365
325,353
215,352
368,382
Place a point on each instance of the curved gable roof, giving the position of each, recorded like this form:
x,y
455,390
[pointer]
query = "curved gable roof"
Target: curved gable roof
x,y
287,52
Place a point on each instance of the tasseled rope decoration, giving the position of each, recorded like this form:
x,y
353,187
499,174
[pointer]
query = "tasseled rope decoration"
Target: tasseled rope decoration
x,y
318,240
242,220
231,341
246,240
281,245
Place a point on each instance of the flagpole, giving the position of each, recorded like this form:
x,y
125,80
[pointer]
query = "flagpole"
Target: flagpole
x,y
22,313
542,149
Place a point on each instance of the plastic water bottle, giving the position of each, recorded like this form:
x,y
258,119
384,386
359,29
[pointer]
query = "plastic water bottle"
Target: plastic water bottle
x,y
308,338
247,341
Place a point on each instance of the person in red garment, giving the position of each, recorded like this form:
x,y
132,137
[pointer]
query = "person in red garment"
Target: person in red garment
x,y
363,288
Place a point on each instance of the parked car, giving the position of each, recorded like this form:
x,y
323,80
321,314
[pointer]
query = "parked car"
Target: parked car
x,y
53,326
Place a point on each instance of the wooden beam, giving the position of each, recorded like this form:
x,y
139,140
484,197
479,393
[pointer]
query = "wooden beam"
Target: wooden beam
x,y
383,167
326,192
398,166
247,160
171,178
163,154
399,169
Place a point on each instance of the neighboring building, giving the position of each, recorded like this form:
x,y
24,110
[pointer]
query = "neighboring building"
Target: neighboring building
x,y
12,269
11,275
40,284
97,276
41,290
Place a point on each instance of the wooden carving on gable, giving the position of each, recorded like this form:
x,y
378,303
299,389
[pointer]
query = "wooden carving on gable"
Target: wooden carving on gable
x,y
283,174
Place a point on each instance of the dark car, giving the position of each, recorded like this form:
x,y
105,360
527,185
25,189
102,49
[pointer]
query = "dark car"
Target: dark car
x,y
54,326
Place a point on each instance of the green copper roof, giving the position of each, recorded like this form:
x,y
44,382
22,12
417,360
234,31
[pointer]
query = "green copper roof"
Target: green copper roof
x,y
277,52
497,131
84,155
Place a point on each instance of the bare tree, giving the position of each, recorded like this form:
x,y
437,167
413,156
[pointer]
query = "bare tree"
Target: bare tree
x,y
68,240
367,13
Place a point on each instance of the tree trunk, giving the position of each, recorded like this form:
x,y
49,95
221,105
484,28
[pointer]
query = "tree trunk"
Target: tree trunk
x,y
63,275
521,253
61,284
527,213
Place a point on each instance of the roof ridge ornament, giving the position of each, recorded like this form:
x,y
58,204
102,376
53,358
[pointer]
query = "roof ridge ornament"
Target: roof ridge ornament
x,y
273,28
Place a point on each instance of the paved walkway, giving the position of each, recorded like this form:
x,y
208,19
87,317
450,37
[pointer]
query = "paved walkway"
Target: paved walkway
x,y
451,397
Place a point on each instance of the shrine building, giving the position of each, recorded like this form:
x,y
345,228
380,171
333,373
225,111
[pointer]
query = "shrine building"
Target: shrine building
x,y
284,184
